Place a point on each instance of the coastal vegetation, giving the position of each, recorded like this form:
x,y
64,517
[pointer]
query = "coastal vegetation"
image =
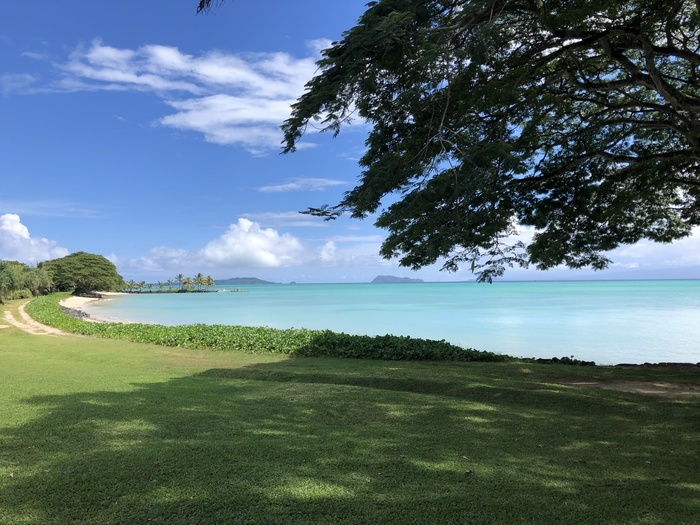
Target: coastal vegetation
x,y
197,283
109,431
293,342
20,281
82,272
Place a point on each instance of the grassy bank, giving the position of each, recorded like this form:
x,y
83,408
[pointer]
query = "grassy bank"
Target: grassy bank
x,y
106,431
293,342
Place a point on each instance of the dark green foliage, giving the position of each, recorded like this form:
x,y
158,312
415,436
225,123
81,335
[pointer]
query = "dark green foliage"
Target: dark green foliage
x,y
295,342
577,118
19,281
83,272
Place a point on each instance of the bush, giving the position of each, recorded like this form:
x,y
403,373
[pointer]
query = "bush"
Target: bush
x,y
293,342
24,293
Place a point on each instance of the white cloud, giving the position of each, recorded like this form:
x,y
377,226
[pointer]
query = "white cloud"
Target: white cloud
x,y
357,254
18,245
643,258
303,184
232,99
646,254
329,253
245,244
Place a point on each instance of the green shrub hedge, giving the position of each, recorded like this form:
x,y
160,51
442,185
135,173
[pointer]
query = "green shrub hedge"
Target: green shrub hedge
x,y
293,342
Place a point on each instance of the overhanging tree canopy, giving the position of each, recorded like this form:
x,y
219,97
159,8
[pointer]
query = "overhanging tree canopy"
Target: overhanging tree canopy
x,y
576,117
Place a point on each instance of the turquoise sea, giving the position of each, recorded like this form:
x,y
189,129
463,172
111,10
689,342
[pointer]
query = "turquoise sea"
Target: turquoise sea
x,y
608,322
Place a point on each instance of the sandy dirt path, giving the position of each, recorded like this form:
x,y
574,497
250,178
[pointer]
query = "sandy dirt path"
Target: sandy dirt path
x,y
28,324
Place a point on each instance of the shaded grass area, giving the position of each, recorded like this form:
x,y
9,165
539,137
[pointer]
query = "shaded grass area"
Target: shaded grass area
x,y
101,431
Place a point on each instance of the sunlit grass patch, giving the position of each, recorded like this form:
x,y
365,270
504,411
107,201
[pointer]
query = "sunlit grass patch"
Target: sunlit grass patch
x,y
111,432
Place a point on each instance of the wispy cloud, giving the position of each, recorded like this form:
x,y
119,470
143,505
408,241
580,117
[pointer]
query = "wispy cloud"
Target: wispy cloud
x,y
35,56
15,83
357,238
233,99
358,254
287,218
303,184
48,209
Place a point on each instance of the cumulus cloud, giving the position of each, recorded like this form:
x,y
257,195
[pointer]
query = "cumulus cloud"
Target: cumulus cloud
x,y
17,244
303,184
245,244
230,98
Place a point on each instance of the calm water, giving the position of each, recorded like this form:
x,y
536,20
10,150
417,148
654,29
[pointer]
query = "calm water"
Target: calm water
x,y
607,322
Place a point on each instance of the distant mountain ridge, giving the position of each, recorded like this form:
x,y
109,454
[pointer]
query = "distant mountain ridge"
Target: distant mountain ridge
x,y
242,280
384,279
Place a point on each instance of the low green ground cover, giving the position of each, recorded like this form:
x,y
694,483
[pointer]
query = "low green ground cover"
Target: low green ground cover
x,y
296,342
113,432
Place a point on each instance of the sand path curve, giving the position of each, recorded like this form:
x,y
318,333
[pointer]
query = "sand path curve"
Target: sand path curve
x,y
28,324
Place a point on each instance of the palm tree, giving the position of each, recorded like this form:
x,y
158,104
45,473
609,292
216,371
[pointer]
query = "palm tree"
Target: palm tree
x,y
140,285
150,287
208,281
169,282
130,285
160,286
199,281
186,283
180,279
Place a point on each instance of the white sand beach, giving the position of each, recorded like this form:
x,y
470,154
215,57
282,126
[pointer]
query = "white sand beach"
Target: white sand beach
x,y
75,302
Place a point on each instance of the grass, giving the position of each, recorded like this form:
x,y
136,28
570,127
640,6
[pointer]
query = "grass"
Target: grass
x,y
111,432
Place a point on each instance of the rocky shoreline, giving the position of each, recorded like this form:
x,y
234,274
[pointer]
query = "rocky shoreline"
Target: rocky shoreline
x,y
75,313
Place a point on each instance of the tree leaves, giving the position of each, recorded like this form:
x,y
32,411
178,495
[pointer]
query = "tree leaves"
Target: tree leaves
x,y
577,118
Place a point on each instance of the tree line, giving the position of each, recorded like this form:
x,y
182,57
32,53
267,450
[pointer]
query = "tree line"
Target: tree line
x,y
20,281
78,273
81,273
181,283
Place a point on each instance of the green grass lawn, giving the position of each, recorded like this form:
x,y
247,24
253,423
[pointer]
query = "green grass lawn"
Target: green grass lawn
x,y
104,432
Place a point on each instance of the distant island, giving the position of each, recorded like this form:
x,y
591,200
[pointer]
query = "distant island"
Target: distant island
x,y
242,280
384,279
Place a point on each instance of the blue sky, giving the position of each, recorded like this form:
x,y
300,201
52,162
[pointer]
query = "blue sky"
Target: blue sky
x,y
144,133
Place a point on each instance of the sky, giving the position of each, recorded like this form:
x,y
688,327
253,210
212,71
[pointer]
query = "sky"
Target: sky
x,y
148,134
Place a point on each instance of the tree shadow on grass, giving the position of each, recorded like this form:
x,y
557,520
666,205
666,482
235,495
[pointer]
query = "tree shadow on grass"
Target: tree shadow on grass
x,y
290,443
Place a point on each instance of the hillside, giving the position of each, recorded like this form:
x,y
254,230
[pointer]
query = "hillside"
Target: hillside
x,y
384,279
242,280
